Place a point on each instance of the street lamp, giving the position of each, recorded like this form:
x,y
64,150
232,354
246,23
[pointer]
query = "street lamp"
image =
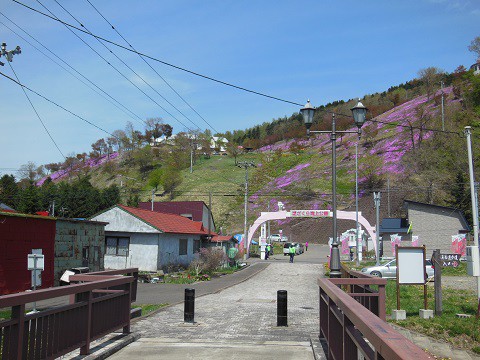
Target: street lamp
x,y
359,112
359,115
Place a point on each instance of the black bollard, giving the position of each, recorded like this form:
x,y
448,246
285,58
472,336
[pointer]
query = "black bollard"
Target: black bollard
x,y
282,308
189,310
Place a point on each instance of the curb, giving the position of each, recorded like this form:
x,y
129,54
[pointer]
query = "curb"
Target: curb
x,y
110,346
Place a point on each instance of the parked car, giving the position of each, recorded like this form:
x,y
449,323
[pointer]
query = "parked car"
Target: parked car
x,y
299,248
284,238
275,237
389,269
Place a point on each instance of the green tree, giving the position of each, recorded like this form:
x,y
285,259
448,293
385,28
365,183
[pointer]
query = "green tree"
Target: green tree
x,y
8,190
28,200
110,196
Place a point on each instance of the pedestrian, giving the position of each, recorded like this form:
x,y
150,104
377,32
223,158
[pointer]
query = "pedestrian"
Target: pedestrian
x,y
306,245
291,252
267,251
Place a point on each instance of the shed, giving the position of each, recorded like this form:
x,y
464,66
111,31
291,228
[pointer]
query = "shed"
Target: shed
x,y
19,235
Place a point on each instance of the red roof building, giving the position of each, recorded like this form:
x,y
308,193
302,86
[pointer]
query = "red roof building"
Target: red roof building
x,y
149,240
193,210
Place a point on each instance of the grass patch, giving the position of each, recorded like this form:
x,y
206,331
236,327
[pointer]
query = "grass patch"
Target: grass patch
x,y
460,270
149,308
462,333
5,314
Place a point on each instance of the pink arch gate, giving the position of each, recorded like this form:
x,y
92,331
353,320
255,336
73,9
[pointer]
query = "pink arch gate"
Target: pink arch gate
x,y
282,215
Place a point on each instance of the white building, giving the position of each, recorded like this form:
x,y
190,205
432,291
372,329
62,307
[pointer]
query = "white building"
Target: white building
x,y
149,240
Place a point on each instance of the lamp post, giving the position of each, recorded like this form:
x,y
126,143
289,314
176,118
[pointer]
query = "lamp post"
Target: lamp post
x,y
359,113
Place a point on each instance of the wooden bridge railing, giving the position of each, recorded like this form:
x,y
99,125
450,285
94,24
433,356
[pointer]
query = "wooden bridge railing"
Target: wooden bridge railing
x,y
98,306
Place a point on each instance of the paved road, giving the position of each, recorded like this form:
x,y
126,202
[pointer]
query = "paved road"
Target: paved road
x,y
174,293
239,321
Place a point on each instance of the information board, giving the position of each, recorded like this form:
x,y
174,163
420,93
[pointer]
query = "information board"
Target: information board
x,y
411,265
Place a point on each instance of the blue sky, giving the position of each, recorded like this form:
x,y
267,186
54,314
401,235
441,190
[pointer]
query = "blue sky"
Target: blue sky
x,y
294,50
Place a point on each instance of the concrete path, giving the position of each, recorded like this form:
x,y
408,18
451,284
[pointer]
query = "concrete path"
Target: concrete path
x,y
239,320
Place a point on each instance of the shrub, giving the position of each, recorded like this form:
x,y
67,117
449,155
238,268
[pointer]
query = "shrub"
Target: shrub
x,y
207,260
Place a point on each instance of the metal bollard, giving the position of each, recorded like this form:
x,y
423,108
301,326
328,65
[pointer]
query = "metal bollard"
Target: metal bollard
x,y
189,310
282,308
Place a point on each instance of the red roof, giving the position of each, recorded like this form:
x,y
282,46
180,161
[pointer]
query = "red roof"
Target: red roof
x,y
221,238
168,223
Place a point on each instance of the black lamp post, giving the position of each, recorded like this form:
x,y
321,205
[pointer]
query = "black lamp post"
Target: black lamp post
x,y
359,112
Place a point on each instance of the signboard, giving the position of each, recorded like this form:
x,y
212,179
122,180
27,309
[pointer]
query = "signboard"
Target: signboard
x,y
411,265
36,278
36,262
309,213
449,260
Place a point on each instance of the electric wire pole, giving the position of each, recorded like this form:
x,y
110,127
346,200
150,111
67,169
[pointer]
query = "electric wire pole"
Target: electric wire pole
x,y
245,165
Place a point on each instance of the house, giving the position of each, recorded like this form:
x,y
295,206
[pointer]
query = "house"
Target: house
x,y
20,234
78,243
434,224
148,239
476,68
193,210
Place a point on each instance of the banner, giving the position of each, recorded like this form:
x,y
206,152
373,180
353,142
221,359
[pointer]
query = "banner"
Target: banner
x,y
459,244
345,248
394,240
415,241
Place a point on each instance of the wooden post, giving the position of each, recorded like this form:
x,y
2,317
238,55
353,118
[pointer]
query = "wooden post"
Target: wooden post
x,y
85,350
438,282
398,285
18,313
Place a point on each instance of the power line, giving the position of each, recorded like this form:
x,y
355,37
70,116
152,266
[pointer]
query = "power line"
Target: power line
x,y
158,60
130,68
119,106
36,112
151,67
60,106
116,69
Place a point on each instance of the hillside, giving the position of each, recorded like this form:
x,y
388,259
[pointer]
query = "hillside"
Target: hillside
x,y
402,152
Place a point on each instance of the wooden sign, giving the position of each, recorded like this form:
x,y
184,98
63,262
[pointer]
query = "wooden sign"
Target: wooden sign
x,y
449,260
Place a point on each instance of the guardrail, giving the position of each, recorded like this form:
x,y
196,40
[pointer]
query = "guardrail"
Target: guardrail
x,y
350,328
359,286
98,306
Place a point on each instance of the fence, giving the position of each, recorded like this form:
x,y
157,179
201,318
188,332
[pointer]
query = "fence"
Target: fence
x,y
98,306
350,328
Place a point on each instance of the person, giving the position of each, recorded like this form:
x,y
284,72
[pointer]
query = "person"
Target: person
x,y
306,245
267,251
291,252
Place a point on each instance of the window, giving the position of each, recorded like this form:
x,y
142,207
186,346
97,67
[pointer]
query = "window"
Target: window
x,y
117,245
196,246
183,247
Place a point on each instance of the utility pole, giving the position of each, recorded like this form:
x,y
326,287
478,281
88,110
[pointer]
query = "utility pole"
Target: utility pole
x,y
376,199
473,195
443,112
153,197
245,165
8,54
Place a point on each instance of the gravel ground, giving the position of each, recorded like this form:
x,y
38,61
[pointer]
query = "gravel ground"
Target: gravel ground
x,y
459,282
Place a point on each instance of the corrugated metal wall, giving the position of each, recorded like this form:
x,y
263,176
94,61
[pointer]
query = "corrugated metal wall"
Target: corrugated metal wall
x,y
78,244
18,236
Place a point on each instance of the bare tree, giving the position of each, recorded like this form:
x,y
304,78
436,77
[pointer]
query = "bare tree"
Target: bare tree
x,y
475,46
431,78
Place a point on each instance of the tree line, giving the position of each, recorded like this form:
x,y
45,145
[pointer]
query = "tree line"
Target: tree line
x,y
76,199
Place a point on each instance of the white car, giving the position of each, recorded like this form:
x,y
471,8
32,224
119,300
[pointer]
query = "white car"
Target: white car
x,y
389,269
275,237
